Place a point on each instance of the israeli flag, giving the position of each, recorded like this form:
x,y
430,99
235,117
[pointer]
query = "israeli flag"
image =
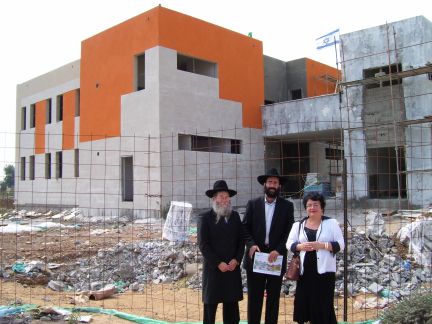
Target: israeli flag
x,y
328,39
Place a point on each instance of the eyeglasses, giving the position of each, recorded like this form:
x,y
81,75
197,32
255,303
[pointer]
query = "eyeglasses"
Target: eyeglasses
x,y
313,206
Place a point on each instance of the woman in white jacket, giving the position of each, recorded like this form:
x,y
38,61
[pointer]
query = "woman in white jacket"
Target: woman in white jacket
x,y
317,238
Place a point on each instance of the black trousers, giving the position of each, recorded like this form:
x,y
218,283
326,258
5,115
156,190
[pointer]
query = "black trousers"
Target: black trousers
x,y
230,313
257,284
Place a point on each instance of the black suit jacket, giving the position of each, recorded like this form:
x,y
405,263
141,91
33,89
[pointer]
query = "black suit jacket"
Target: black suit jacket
x,y
254,228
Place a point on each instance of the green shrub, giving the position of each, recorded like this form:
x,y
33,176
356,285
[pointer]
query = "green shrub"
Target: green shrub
x,y
416,309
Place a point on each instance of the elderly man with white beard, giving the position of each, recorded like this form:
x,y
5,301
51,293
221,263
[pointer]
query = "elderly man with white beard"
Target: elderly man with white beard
x,y
221,244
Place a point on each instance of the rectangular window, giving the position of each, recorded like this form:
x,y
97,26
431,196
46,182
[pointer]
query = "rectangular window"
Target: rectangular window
x,y
59,165
140,72
32,167
32,116
209,144
77,103
387,172
76,163
380,76
196,65
334,154
296,94
59,108
47,165
127,178
23,167
23,118
48,110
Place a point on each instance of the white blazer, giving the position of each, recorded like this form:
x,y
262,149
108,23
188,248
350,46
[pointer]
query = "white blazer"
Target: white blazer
x,y
328,231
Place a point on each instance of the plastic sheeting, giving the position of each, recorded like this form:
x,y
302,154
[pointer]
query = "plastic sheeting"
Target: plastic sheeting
x,y
418,236
176,228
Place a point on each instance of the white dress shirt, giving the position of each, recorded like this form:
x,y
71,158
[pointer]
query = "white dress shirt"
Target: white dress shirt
x,y
269,211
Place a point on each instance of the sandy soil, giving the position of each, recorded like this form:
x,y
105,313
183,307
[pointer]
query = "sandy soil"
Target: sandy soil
x,y
162,302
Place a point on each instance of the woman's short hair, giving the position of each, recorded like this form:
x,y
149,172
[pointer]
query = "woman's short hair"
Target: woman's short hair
x,y
315,196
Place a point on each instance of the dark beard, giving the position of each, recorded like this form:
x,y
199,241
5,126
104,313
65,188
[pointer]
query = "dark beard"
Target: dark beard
x,y
271,192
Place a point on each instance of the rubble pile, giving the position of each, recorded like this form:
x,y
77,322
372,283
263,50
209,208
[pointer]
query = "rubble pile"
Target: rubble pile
x,y
376,266
132,264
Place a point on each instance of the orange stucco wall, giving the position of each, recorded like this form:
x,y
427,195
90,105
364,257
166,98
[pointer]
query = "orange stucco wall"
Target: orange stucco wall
x,y
239,59
316,84
68,120
107,65
40,127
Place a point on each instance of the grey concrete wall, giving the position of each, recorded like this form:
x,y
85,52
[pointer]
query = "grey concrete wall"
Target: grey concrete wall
x,y
296,77
412,39
382,106
275,80
301,116
190,104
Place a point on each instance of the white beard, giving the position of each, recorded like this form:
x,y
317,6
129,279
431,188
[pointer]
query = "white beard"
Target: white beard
x,y
221,211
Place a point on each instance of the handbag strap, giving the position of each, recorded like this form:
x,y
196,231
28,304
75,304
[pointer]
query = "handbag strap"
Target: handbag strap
x,y
298,234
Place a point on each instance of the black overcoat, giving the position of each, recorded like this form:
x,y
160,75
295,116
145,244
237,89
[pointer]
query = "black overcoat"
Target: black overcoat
x,y
255,228
220,242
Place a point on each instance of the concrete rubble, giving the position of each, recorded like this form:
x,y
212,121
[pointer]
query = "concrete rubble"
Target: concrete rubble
x,y
130,266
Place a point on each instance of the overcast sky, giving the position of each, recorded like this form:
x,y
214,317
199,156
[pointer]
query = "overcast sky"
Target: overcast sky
x,y
38,36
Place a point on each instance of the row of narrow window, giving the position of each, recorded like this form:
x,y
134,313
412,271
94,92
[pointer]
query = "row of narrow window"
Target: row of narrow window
x,y
185,142
48,111
48,163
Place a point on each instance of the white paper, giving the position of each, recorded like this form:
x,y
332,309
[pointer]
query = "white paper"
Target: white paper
x,y
262,265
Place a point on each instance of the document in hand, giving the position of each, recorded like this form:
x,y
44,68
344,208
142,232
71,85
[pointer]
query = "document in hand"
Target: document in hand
x,y
262,265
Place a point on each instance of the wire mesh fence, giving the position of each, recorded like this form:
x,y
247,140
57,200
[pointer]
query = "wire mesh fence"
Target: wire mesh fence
x,y
87,227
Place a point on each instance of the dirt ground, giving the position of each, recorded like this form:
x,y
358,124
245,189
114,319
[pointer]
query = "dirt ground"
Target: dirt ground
x,y
166,302
160,302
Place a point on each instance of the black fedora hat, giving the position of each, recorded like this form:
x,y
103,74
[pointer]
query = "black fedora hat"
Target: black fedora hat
x,y
220,185
271,173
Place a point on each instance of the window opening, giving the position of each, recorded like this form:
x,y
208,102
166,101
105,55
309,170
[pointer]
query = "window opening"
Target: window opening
x,y
140,72
47,165
127,178
32,167
76,163
209,144
196,65
59,108
383,175
32,116
23,118
77,102
48,110
59,165
23,167
296,94
381,72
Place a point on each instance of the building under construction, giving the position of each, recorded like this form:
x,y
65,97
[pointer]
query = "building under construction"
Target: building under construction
x,y
128,128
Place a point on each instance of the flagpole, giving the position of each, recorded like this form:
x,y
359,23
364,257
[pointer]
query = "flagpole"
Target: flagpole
x,y
335,46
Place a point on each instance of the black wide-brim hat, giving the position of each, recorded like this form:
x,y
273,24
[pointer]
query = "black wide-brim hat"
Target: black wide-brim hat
x,y
220,185
271,173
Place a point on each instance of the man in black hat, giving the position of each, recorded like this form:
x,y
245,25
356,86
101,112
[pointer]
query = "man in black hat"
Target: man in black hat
x,y
266,226
221,244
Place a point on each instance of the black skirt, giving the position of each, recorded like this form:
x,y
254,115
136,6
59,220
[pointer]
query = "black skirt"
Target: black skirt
x,y
314,297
